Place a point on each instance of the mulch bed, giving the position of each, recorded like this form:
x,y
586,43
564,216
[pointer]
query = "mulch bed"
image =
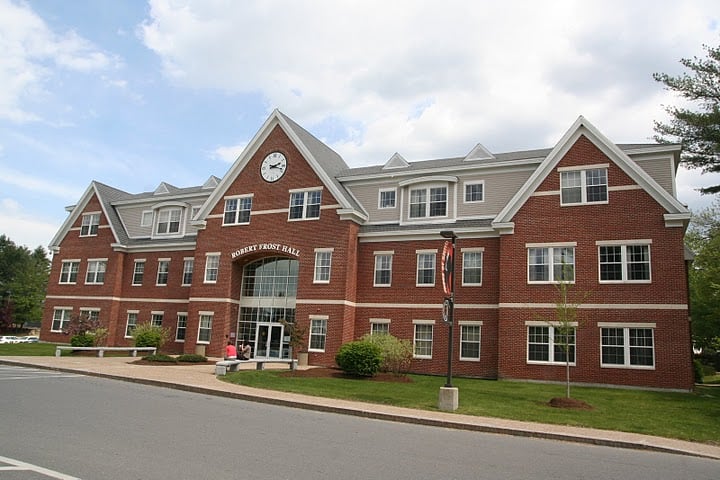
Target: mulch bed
x,y
322,372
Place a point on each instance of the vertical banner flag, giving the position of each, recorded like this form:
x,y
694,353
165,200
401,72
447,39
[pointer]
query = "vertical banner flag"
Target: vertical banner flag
x,y
448,266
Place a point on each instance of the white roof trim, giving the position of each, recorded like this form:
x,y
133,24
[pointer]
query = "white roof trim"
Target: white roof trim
x,y
77,211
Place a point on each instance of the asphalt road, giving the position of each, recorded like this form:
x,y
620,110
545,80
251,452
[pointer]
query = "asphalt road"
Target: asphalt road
x,y
94,428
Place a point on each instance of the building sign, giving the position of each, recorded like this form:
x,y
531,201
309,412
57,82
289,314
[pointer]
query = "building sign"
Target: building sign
x,y
265,247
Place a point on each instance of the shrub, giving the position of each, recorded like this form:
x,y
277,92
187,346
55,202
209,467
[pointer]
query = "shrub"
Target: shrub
x,y
160,358
396,354
191,358
82,340
147,335
359,358
698,370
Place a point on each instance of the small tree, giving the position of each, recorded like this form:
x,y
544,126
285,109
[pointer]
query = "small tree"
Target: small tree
x,y
86,331
296,335
567,318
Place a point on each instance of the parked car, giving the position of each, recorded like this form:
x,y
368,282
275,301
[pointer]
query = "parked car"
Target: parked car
x,y
8,339
29,339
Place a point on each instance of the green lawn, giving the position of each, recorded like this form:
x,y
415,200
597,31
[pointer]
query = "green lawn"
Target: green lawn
x,y
687,416
27,349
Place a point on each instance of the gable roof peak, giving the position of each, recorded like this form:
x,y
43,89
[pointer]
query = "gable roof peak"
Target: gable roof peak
x,y
396,161
164,188
479,152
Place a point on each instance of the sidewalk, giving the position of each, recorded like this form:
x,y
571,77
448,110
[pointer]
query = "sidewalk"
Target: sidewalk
x,y
201,379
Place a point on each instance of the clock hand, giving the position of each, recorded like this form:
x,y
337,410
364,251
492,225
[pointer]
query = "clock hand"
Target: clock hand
x,y
277,165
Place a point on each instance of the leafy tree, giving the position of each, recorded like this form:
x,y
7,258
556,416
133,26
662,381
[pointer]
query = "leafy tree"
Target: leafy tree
x,y
703,238
699,130
566,319
23,282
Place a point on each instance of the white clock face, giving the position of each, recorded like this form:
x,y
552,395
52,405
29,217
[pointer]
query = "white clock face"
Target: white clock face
x,y
273,167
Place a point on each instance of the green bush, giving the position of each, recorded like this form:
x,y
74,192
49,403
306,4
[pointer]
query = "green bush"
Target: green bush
x,y
191,358
82,340
698,370
160,358
147,335
396,354
359,358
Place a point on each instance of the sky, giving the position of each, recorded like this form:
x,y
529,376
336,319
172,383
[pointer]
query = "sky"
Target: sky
x,y
133,93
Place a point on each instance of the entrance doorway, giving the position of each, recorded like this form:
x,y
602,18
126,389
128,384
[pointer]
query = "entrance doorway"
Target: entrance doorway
x,y
267,305
269,341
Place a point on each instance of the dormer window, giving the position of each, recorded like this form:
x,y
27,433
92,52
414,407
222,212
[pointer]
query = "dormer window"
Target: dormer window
x,y
90,224
169,221
428,202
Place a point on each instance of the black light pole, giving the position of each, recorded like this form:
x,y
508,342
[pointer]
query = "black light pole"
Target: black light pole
x,y
450,305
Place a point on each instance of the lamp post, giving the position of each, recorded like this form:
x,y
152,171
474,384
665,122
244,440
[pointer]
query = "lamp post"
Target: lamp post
x,y
449,394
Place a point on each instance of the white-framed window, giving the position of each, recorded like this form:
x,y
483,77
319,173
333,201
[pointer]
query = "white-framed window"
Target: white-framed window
x,y
61,317
387,198
163,271
470,340
90,224
323,262
624,262
91,314
379,326
474,192
138,272
205,327
578,186
237,210
156,318
382,276
551,264
146,218
549,343
96,271
472,266
69,271
169,221
422,338
188,265
132,319
318,332
212,267
181,329
305,204
627,345
428,202
425,268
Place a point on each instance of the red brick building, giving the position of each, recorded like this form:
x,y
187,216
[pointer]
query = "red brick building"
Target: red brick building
x,y
292,234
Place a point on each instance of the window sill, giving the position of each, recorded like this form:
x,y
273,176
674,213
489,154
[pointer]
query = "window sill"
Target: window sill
x,y
629,367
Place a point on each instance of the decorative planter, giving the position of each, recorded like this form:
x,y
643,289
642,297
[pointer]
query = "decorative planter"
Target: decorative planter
x,y
302,359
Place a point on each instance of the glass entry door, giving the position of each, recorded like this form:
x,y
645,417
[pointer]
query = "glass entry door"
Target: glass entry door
x,y
269,341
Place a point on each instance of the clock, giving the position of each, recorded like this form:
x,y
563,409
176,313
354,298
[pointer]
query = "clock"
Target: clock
x,y
273,167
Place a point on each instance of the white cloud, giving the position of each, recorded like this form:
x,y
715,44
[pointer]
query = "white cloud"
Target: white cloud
x,y
480,69
22,228
31,51
228,154
37,184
